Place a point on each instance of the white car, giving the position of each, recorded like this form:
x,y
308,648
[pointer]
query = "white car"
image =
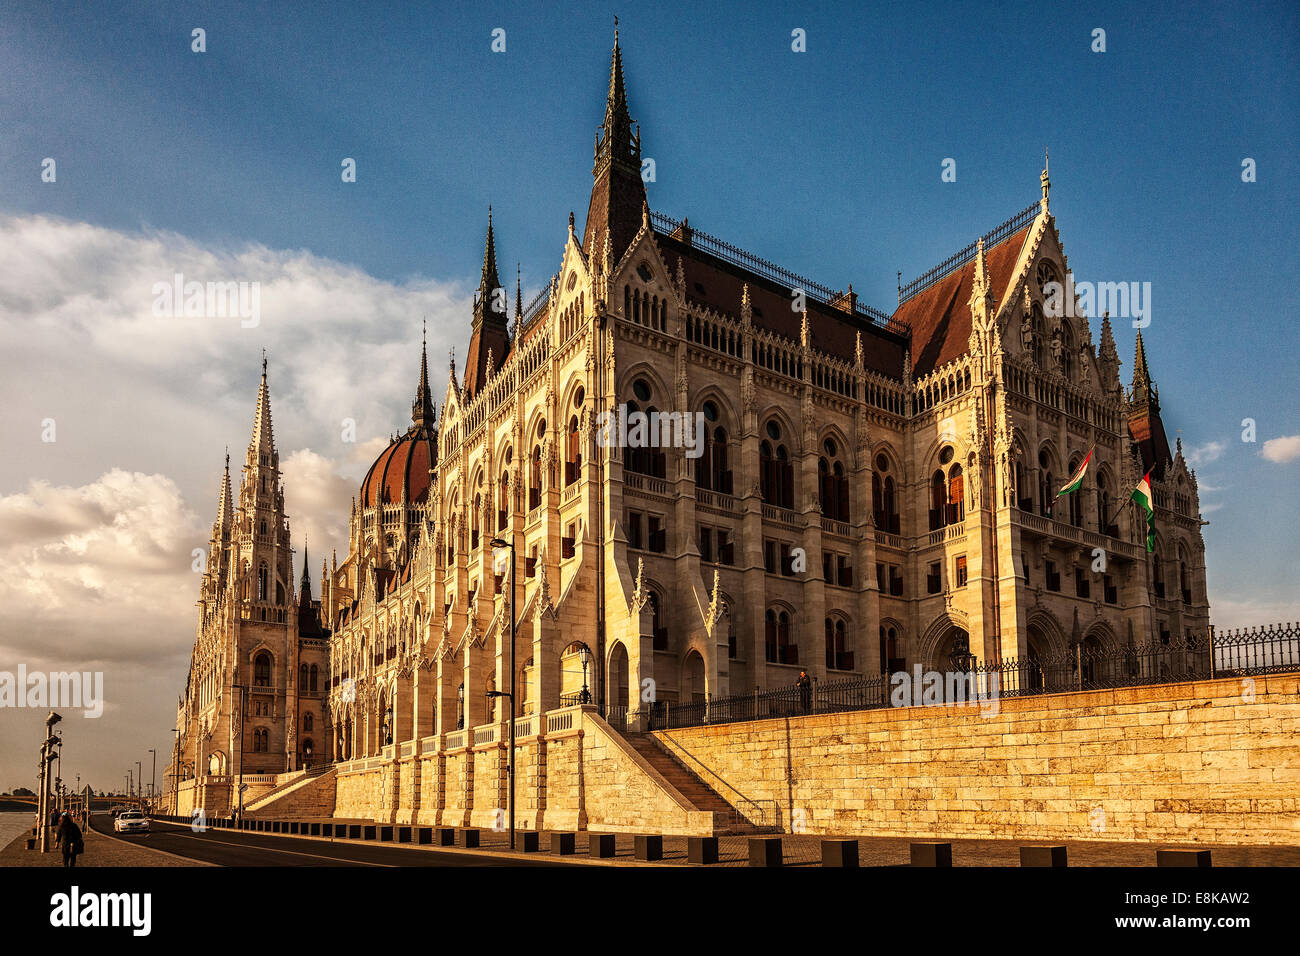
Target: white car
x,y
131,821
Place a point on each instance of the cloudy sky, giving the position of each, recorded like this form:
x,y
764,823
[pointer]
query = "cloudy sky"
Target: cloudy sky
x,y
225,166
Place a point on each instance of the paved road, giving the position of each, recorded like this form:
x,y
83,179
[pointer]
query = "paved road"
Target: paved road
x,y
241,848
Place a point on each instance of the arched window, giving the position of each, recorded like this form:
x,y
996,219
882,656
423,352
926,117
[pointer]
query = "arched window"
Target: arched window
x,y
263,582
1046,483
938,500
956,496
776,475
838,655
834,484
307,723
262,670
572,453
1038,326
302,678
460,706
659,627
1075,499
780,645
1067,351
1184,576
314,678
890,660
535,479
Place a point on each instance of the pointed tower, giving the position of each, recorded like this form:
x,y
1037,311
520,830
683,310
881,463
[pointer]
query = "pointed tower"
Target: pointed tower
x,y
422,413
1144,423
1108,357
262,541
488,331
618,192
217,576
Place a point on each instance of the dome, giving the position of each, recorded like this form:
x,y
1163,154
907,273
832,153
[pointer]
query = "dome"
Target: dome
x,y
408,460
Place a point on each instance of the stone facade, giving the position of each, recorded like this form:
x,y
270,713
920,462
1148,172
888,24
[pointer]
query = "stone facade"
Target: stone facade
x,y
254,700
1214,761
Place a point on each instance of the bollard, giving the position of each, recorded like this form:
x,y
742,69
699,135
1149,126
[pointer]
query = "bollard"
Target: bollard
x,y
1042,856
470,839
530,841
403,834
702,850
327,830
648,848
314,829
840,853
386,834
446,836
424,836
931,854
765,851
562,844
601,846
1183,858
354,831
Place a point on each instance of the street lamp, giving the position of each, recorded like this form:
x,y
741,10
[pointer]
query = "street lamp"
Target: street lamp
x,y
43,799
584,655
500,547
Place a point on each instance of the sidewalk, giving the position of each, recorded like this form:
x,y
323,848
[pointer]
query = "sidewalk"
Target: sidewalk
x,y
100,851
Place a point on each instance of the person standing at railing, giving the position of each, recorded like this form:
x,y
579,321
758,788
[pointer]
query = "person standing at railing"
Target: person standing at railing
x,y
804,686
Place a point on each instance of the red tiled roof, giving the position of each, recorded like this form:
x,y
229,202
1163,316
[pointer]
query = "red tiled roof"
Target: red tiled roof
x,y
409,458
939,316
718,284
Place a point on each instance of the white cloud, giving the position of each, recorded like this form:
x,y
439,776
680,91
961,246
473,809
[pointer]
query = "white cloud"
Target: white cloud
x,y
1282,450
99,573
1198,455
97,527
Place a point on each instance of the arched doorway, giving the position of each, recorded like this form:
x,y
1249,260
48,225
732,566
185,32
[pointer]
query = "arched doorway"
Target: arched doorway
x,y
693,685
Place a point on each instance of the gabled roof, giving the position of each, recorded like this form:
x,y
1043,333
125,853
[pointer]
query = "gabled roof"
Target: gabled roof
x,y
939,315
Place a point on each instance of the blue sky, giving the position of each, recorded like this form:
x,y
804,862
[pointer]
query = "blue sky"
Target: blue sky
x,y
827,162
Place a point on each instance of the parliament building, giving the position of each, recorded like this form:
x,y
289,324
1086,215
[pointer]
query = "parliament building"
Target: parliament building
x,y
868,491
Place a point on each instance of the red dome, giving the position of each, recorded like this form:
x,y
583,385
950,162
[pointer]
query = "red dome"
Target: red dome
x,y
406,460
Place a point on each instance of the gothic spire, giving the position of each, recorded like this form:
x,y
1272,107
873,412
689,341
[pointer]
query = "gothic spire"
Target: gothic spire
x,y
489,282
263,440
1143,388
617,192
304,588
225,506
422,415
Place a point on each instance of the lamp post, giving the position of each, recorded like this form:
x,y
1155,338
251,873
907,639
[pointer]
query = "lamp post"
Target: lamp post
x,y
153,775
499,545
139,785
176,772
584,655
48,745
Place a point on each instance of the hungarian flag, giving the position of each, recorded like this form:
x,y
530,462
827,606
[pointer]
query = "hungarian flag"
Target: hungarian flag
x,y
1142,495
1077,478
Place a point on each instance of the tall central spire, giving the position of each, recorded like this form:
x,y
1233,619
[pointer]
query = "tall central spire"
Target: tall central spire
x,y
488,331
263,440
617,192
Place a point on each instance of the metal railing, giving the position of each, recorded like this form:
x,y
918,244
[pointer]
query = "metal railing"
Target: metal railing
x,y
991,239
962,680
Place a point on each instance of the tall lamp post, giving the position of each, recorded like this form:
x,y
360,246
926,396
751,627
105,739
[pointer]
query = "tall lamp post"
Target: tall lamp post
x,y
500,545
153,776
176,774
43,799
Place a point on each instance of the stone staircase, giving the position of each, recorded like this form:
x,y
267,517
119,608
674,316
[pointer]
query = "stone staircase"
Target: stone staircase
x,y
701,796
300,782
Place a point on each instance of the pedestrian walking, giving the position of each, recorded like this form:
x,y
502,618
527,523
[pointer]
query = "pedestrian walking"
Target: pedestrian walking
x,y
68,836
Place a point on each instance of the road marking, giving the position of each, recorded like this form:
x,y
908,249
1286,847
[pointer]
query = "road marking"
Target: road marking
x,y
265,849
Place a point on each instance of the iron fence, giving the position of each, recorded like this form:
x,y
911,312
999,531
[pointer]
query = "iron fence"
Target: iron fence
x,y
962,680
